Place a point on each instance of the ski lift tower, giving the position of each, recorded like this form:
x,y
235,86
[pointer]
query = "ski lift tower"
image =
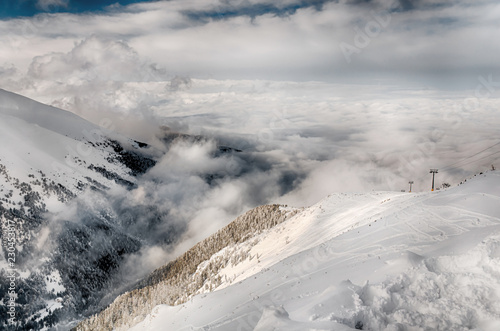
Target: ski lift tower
x,y
433,172
411,183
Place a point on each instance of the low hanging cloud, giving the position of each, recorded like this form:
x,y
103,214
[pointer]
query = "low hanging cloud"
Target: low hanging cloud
x,y
363,137
195,188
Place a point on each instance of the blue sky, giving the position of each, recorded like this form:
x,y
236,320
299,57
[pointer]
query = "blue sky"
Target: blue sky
x,y
27,8
226,9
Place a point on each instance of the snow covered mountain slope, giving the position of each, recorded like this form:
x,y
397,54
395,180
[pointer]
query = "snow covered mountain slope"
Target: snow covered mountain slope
x,y
49,158
63,146
50,118
374,261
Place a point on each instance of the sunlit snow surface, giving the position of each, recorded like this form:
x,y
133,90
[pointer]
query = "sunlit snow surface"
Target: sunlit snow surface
x,y
376,261
38,139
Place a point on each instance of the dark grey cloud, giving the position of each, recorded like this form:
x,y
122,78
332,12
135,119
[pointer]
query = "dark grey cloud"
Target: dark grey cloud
x,y
407,4
227,9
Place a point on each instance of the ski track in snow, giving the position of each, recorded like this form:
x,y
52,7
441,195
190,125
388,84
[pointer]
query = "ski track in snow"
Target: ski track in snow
x,y
380,261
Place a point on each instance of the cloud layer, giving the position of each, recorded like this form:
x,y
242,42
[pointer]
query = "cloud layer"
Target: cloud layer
x,y
438,43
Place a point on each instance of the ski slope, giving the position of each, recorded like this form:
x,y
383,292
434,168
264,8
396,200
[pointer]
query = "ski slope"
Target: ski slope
x,y
374,261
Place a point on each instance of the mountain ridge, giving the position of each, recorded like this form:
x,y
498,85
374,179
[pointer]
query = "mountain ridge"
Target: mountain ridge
x,y
324,251
187,275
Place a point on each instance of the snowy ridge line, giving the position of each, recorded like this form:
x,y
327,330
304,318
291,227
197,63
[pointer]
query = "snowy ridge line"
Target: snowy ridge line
x,y
238,254
193,272
425,261
47,117
320,255
314,227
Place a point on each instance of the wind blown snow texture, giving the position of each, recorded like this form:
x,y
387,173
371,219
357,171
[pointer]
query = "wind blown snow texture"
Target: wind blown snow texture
x,y
374,261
